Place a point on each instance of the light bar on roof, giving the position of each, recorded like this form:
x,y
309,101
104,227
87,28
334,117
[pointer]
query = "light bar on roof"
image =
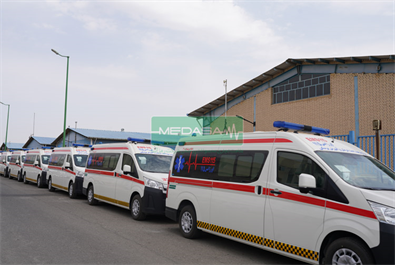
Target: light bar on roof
x,y
300,127
137,140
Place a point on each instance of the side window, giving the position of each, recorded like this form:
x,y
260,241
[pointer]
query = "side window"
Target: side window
x,y
103,161
128,160
233,165
56,160
291,165
70,161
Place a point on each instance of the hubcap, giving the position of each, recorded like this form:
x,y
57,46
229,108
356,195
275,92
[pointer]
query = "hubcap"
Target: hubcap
x,y
71,189
135,207
39,181
90,195
186,222
50,184
345,256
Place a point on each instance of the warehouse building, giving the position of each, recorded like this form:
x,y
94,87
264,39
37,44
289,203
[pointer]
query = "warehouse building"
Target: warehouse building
x,y
342,94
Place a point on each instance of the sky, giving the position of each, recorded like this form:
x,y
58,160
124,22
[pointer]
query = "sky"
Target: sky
x,y
130,60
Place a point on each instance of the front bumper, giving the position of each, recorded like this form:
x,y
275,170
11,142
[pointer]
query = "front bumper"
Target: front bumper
x,y
153,201
384,253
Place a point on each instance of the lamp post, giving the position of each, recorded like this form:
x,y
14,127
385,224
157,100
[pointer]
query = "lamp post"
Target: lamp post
x,y
65,100
6,133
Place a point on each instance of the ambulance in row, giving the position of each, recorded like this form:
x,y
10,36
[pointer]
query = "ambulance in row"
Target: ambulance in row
x,y
66,168
35,166
130,175
305,196
15,166
4,160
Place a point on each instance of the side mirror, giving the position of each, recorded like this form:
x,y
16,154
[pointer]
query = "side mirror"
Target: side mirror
x,y
127,169
67,165
36,163
17,162
306,182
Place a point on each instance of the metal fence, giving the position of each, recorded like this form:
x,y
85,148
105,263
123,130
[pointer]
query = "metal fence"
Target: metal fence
x,y
368,144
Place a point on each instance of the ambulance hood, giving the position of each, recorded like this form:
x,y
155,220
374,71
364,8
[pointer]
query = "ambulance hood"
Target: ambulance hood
x,y
160,177
385,197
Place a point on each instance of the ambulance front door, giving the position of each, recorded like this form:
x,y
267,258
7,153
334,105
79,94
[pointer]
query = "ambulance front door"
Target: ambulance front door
x,y
294,220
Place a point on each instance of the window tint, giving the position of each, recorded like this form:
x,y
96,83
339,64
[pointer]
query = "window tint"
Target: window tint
x,y
103,161
127,160
30,159
56,160
235,166
70,161
291,165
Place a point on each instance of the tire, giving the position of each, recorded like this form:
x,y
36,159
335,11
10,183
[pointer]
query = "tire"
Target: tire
x,y
24,179
39,184
50,188
72,193
188,223
136,208
347,250
90,196
19,178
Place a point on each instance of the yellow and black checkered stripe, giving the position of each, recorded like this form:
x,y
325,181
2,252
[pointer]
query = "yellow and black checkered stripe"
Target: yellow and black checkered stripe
x,y
306,253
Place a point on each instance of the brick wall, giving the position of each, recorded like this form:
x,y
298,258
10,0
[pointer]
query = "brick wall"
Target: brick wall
x,y
334,111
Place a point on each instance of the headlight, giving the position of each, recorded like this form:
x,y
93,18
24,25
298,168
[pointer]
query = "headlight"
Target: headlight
x,y
80,174
153,184
383,213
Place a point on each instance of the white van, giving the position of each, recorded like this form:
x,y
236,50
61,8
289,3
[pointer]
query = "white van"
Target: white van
x,y
35,166
15,166
308,197
66,169
129,175
4,160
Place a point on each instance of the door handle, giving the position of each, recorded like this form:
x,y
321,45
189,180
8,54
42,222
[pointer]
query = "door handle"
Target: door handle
x,y
275,192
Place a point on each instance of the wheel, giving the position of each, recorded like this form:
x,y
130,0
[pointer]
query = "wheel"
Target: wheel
x,y
19,178
39,182
9,174
72,193
91,196
50,188
24,179
347,250
187,222
136,208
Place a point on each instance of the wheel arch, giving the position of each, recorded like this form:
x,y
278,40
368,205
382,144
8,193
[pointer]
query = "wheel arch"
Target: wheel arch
x,y
336,235
182,204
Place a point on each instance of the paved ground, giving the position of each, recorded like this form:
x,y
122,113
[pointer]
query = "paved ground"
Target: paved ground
x,y
42,227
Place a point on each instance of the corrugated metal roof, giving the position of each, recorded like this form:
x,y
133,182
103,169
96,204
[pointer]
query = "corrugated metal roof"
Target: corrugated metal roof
x,y
44,140
282,68
111,135
13,146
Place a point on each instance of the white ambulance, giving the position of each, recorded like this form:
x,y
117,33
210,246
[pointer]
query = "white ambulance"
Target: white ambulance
x,y
35,166
129,175
15,166
4,160
66,169
308,197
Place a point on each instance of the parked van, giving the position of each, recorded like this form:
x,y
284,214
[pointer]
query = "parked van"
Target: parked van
x,y
66,169
308,197
35,166
4,160
16,164
129,175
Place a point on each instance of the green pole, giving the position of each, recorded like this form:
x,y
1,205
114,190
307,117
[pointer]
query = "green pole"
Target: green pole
x,y
6,132
65,104
65,100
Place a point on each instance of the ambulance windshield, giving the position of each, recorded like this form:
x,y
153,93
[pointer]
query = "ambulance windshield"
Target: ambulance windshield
x,y
154,163
80,160
45,159
360,171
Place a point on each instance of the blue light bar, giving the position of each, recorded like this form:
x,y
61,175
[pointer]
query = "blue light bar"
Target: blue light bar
x,y
300,127
46,147
137,140
82,145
